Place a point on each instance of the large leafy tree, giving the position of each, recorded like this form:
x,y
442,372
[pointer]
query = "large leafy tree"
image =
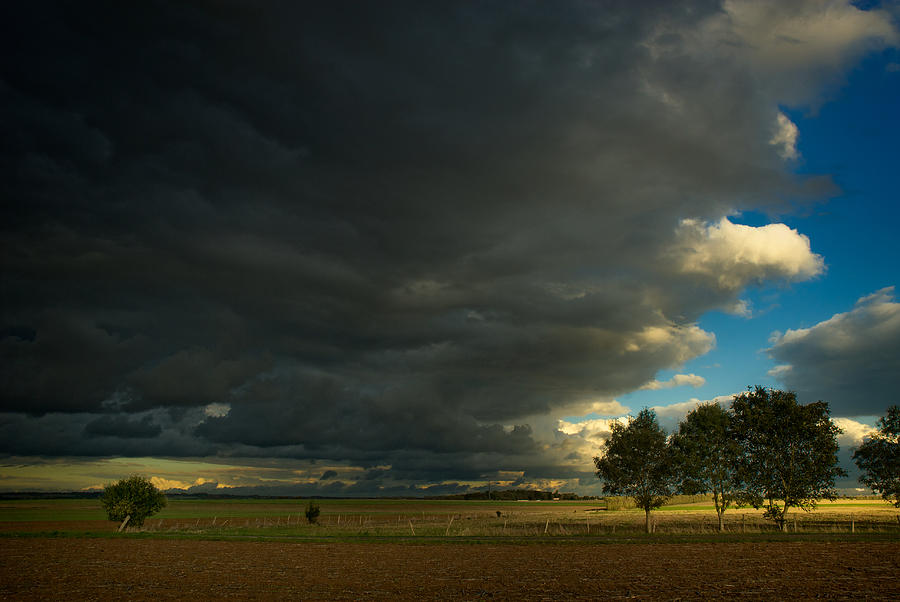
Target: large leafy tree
x,y
789,451
879,457
134,498
706,456
635,462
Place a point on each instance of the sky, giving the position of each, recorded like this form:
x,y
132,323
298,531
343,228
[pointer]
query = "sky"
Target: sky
x,y
361,249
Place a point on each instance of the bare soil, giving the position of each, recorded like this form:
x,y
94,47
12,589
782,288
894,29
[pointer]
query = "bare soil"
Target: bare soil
x,y
86,569
45,526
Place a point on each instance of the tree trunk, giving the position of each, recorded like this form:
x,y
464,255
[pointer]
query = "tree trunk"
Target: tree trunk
x,y
647,524
721,521
124,522
784,519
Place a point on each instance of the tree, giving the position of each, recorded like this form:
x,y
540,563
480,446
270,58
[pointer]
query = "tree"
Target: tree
x,y
879,457
636,463
705,454
789,451
134,499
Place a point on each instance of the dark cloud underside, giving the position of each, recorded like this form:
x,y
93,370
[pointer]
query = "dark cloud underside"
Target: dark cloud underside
x,y
367,231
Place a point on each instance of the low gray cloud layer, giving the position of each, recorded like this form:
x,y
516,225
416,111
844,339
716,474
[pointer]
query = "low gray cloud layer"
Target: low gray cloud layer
x,y
850,360
391,234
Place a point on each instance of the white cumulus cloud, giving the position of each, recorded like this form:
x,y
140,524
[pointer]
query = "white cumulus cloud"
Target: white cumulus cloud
x,y
780,371
679,380
853,431
785,137
679,342
734,255
593,431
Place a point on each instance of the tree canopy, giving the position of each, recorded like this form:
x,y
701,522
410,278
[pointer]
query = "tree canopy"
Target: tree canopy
x,y
635,462
789,451
134,498
879,457
706,454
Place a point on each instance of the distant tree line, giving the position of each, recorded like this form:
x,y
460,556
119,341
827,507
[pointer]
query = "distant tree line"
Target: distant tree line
x,y
766,451
513,494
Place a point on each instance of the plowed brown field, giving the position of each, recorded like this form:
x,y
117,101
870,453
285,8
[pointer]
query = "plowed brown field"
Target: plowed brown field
x,y
84,569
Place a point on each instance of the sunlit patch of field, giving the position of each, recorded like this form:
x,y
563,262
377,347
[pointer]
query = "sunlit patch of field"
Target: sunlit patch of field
x,y
419,519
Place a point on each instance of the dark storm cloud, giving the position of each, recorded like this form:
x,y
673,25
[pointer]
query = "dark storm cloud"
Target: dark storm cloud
x,y
121,426
154,433
383,232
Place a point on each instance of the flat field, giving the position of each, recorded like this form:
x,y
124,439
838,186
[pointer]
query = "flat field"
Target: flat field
x,y
355,518
402,549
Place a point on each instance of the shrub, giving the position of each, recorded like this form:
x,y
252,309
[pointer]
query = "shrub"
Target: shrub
x,y
620,502
135,497
312,512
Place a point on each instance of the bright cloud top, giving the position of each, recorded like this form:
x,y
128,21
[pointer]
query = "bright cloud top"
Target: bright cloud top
x,y
853,432
594,432
876,315
735,255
